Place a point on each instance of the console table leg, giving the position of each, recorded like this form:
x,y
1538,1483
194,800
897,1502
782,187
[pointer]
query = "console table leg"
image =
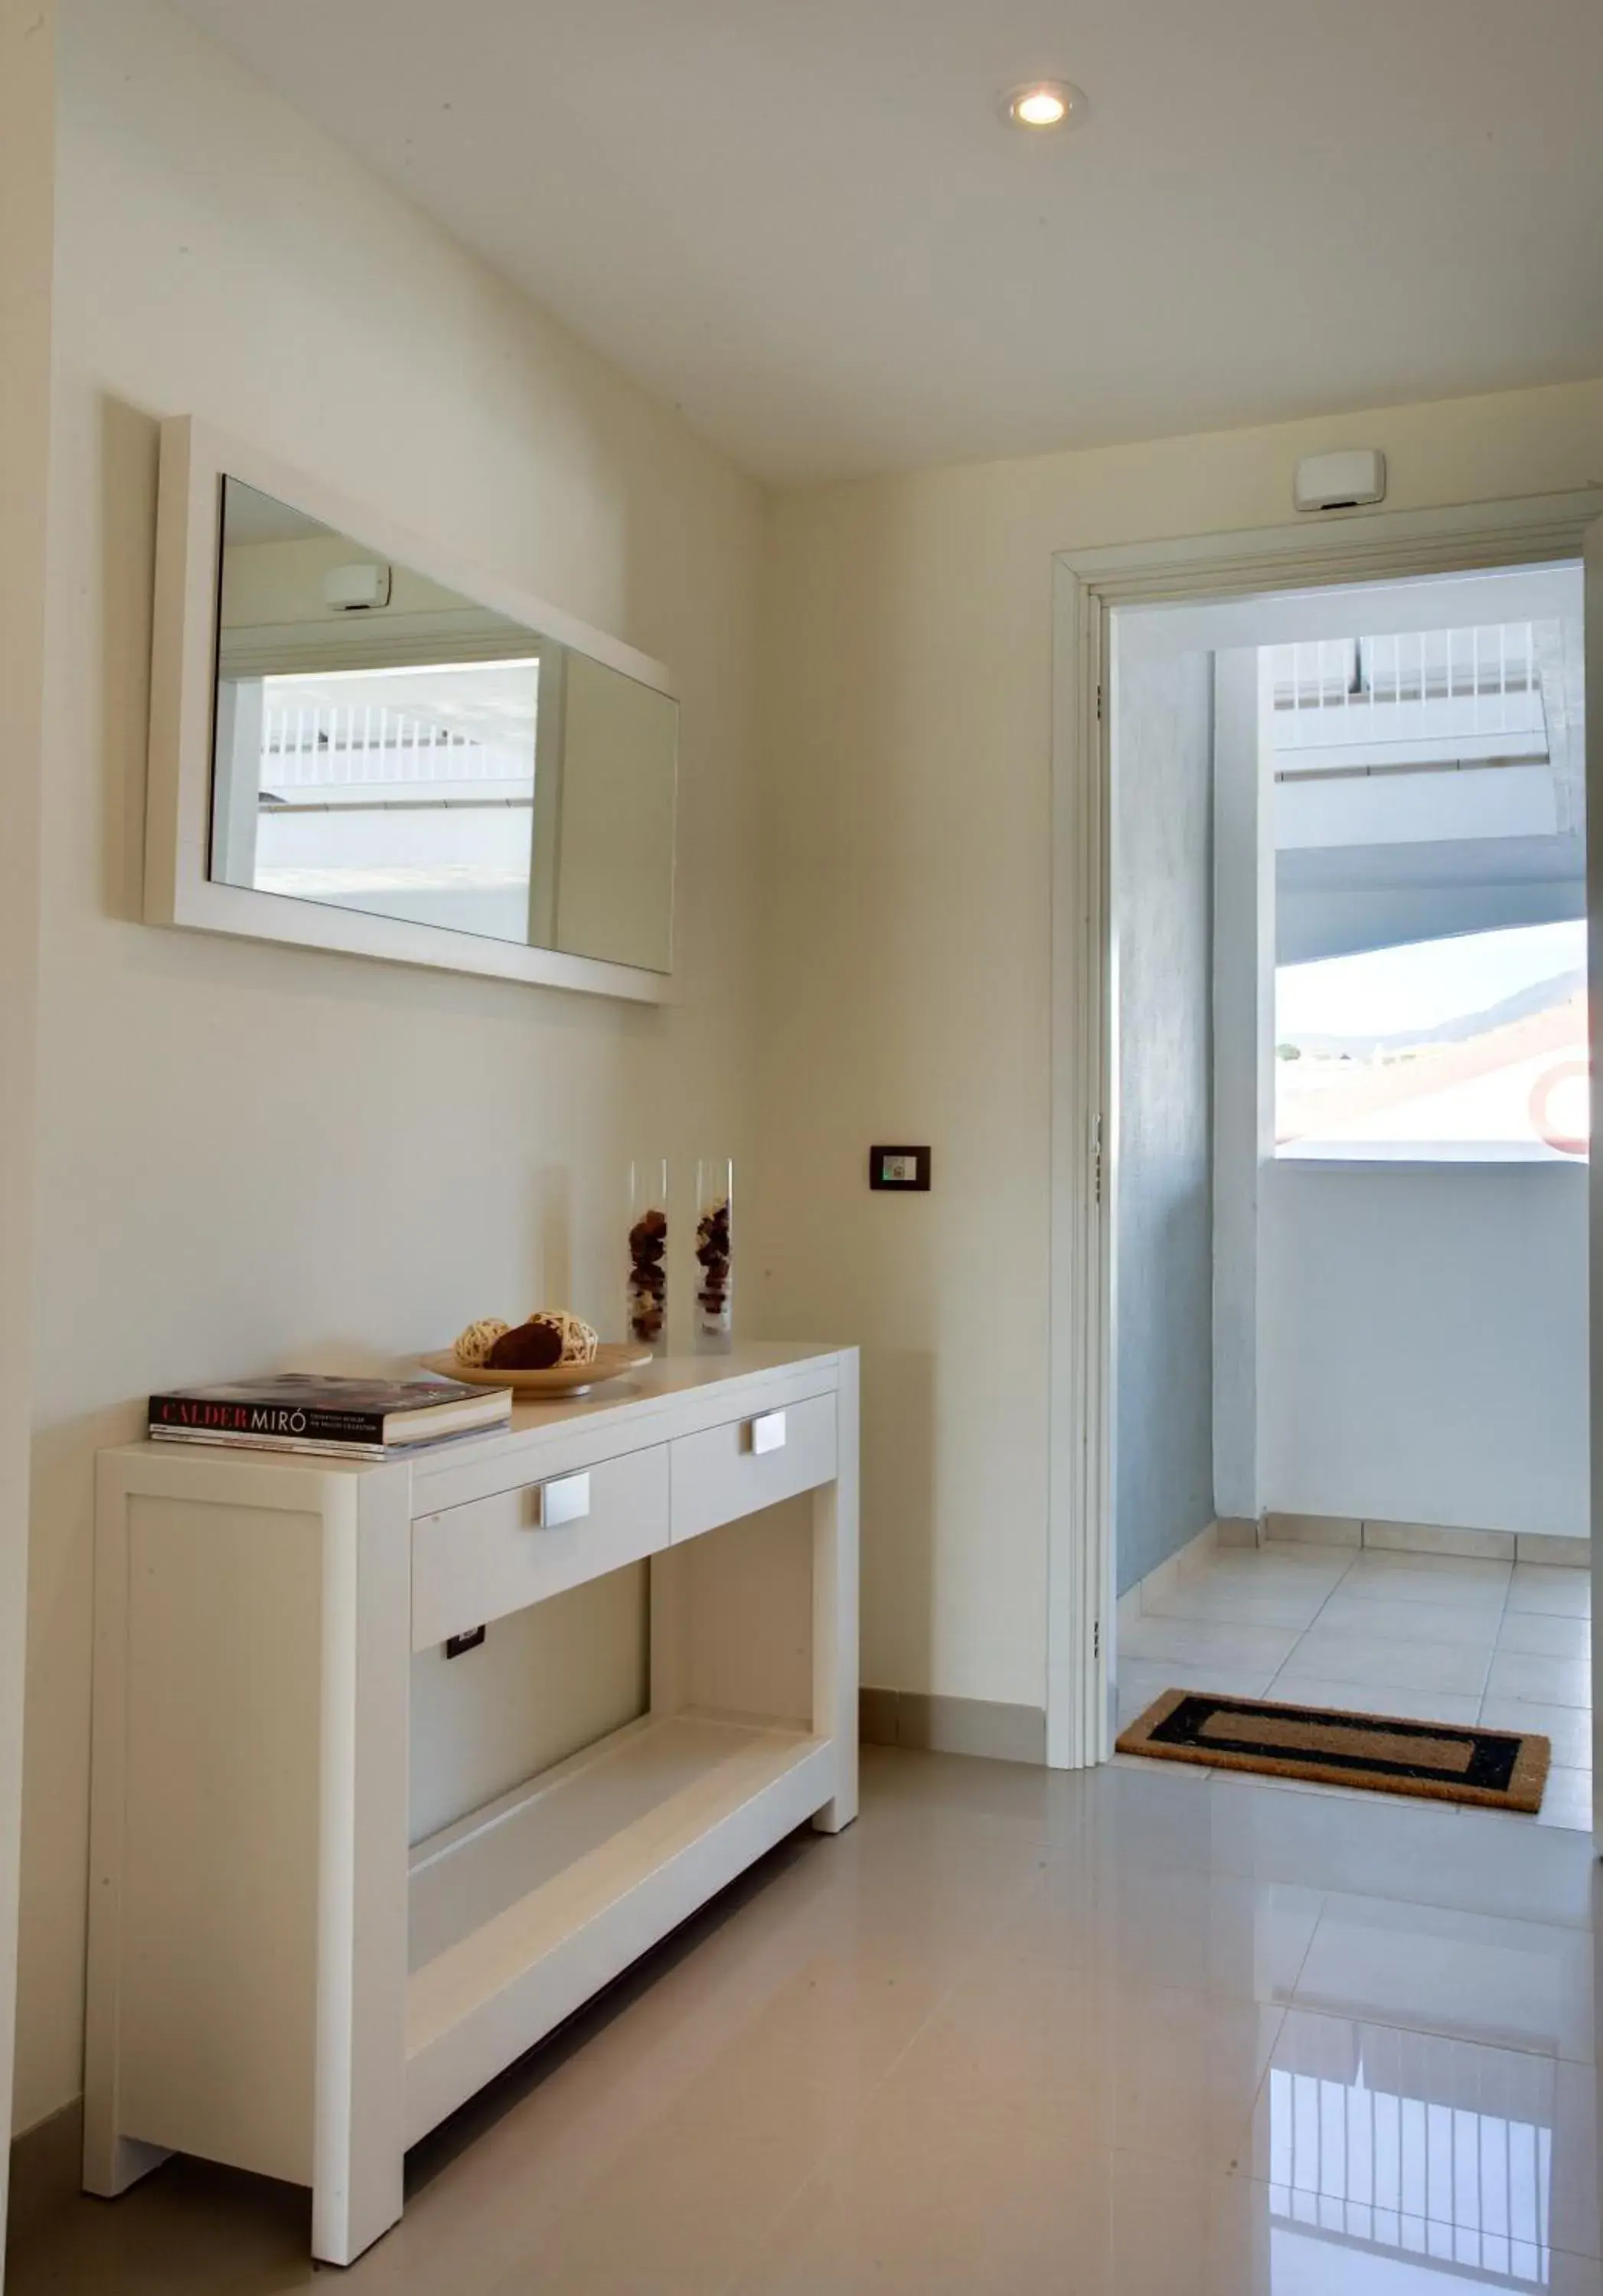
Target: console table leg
x,y
111,2168
358,2145
834,1607
345,2223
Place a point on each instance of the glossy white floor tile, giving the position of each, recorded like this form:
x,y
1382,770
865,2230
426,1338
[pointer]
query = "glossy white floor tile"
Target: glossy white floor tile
x,y
1348,1655
1127,2032
1563,1594
1437,1578
1211,1933
1538,1634
1377,1619
1283,1566
1209,1642
1508,1984
1568,1799
1432,1639
1234,1598
1136,2066
1548,1681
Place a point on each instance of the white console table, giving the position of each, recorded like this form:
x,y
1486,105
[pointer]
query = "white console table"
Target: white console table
x,y
277,1979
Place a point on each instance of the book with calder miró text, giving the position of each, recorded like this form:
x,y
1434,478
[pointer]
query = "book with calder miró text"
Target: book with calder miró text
x,y
309,1411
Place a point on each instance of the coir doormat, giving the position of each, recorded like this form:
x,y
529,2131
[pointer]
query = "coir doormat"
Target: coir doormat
x,y
1495,1769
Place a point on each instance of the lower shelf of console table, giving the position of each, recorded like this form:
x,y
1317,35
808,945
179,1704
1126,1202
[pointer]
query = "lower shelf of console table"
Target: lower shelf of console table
x,y
277,1980
514,1913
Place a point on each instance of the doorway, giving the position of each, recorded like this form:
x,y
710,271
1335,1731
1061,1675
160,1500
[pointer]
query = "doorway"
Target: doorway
x,y
1098,968
1349,1180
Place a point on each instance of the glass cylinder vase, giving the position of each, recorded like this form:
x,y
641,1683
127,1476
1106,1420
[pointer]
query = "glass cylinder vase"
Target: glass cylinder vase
x,y
645,1292
714,1264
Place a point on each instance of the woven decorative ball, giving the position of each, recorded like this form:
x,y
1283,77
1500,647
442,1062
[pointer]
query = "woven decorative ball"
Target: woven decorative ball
x,y
580,1342
474,1344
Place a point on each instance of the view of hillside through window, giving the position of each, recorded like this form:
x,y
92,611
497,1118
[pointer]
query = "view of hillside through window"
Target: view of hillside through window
x,y
1479,1041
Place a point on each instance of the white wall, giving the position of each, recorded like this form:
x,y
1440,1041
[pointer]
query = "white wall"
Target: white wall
x,y
1162,1163
1243,1037
909,707
1424,1347
260,1154
26,138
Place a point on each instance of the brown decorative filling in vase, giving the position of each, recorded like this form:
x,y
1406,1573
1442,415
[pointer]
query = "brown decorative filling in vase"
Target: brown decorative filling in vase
x,y
648,1277
712,1254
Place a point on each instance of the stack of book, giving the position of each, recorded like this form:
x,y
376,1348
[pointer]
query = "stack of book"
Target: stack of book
x,y
341,1418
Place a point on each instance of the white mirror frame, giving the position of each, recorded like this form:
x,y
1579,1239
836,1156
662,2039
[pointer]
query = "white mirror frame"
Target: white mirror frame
x,y
196,460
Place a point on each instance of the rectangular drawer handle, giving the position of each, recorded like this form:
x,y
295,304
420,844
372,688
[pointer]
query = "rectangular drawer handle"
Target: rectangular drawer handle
x,y
565,1500
768,1432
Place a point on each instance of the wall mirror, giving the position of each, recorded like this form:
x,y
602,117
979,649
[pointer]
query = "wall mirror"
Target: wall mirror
x,y
354,745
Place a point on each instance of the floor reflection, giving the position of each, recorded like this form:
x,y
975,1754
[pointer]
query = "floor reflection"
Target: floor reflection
x,y
1416,2159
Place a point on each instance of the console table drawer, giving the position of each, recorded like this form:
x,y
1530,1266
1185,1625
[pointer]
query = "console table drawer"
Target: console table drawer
x,y
476,1563
728,1471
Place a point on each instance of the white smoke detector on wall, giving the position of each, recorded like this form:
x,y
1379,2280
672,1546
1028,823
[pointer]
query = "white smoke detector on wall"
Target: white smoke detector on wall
x,y
356,589
1340,481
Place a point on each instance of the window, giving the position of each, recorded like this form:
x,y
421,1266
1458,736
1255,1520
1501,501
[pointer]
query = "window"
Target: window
x,y
1430,980
1475,1045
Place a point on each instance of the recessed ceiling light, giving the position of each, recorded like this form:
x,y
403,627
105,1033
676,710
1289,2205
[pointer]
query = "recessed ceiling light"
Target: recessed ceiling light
x,y
1043,103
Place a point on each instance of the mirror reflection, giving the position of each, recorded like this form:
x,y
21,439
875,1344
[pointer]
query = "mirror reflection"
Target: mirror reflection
x,y
384,744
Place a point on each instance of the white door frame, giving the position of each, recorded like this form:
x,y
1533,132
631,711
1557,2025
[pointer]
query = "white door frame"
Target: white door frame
x,y
1346,547
27,110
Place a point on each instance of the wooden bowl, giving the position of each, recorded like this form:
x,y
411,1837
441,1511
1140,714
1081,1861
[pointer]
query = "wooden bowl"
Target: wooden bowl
x,y
611,1361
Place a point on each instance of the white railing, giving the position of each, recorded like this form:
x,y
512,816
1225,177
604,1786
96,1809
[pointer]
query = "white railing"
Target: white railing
x,y
1411,2176
327,745
1410,696
1433,684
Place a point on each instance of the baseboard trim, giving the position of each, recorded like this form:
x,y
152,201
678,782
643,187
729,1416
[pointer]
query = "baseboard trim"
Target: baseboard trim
x,y
1460,1539
938,1725
47,2169
1441,1538
1562,1554
1313,1530
1165,1576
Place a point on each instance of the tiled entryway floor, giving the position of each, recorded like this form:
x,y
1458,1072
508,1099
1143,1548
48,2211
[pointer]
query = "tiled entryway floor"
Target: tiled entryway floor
x,y
1123,2032
1425,1636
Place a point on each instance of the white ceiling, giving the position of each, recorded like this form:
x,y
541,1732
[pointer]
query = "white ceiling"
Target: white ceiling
x,y
802,222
